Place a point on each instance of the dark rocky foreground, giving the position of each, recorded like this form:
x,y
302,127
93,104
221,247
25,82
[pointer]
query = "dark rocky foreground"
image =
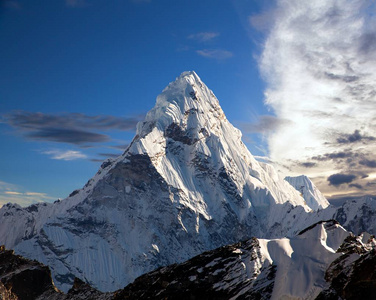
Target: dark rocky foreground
x,y
26,279
216,274
351,279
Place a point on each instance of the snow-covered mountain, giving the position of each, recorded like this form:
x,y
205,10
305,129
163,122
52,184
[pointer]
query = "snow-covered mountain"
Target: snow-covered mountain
x,y
356,215
186,184
310,193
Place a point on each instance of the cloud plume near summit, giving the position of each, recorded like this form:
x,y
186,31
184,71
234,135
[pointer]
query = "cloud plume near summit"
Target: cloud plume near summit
x,y
319,64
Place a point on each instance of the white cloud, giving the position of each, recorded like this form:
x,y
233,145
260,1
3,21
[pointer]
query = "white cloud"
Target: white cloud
x,y
65,154
264,124
215,53
16,194
12,193
262,21
203,36
319,64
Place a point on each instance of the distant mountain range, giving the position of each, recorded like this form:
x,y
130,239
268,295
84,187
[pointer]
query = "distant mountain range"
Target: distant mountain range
x,y
186,184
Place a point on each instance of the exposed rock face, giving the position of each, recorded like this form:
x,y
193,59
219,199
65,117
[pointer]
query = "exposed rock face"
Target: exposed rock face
x,y
24,279
6,294
21,278
353,274
230,271
358,215
81,290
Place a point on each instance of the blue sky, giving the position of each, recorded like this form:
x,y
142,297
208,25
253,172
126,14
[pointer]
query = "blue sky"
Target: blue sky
x,y
109,59
76,76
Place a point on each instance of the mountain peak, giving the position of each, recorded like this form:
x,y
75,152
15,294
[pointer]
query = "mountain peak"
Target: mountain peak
x,y
182,98
186,184
190,77
187,111
311,194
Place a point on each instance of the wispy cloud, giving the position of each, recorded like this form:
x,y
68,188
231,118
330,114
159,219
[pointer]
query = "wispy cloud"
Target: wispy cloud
x,y
264,20
121,147
308,164
31,120
218,54
96,160
71,136
112,155
76,3
65,154
206,37
16,194
264,124
203,36
335,156
72,128
354,138
12,193
355,185
12,4
318,62
368,163
141,1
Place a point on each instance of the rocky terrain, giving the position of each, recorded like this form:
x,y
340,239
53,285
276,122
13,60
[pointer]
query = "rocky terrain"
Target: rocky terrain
x,y
26,279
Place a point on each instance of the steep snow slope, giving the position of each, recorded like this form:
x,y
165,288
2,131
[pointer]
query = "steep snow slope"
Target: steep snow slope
x,y
186,184
301,261
309,192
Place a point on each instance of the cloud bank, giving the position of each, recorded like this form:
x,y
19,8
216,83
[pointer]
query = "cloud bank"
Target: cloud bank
x,y
319,64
